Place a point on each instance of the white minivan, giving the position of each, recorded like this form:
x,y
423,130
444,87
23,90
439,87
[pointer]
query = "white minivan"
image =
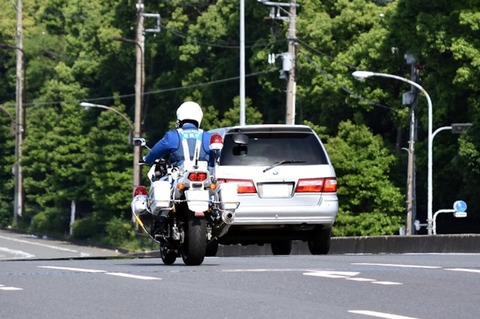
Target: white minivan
x,y
287,187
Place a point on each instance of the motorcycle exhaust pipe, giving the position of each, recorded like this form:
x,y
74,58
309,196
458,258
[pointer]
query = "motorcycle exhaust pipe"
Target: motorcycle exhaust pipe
x,y
223,225
228,217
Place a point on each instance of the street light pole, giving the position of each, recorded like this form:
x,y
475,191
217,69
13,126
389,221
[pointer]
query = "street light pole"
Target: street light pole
x,y
87,105
360,75
242,62
456,128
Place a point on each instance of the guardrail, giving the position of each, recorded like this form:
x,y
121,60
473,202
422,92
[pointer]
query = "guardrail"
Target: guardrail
x,y
459,243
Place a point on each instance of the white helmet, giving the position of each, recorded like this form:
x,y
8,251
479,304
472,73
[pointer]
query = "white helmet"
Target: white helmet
x,y
189,111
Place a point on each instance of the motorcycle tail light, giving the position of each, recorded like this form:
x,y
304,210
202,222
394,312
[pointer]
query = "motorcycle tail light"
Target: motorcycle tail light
x,y
244,186
140,190
197,176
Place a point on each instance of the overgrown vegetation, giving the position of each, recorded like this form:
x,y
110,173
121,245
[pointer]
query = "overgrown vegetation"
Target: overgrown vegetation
x,y
74,155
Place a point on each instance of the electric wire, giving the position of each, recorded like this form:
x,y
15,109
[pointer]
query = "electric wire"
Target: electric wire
x,y
350,92
123,96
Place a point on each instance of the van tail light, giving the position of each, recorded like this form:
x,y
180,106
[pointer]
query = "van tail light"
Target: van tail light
x,y
197,176
317,185
330,185
244,186
216,142
140,190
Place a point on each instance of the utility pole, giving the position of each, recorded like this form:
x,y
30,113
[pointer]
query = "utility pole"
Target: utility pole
x,y
410,98
139,82
19,118
288,58
292,50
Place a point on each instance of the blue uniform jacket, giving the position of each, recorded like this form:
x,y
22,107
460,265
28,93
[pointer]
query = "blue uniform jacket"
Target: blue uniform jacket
x,y
171,148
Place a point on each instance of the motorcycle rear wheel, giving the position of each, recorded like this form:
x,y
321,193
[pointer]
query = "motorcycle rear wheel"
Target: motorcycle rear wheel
x,y
195,246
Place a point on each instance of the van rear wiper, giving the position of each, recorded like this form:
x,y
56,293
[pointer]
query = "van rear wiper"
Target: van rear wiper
x,y
281,163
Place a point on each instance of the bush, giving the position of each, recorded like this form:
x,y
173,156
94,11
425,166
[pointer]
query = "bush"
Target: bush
x,y
87,228
119,232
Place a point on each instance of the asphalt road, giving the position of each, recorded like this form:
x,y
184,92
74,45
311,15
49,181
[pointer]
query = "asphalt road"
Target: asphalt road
x,y
404,286
26,246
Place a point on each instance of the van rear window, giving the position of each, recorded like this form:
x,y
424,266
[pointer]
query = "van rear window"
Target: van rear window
x,y
268,148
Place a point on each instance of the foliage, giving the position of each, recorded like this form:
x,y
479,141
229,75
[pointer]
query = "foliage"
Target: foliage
x,y
73,155
362,164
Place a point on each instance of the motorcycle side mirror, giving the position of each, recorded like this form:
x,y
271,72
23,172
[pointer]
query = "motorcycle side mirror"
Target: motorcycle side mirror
x,y
240,139
139,141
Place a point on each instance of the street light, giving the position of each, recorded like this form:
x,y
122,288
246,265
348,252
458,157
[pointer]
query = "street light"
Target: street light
x,y
139,87
361,75
456,128
136,167
87,105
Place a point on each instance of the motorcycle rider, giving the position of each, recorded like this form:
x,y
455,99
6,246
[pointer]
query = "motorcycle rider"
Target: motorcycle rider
x,y
188,132
182,145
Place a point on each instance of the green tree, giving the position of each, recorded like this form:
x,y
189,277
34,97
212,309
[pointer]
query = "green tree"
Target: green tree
x,y
369,203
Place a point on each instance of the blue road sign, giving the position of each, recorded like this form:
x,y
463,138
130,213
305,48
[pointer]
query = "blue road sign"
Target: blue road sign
x,y
460,206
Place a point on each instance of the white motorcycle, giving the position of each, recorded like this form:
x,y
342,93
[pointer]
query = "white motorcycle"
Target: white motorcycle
x,y
185,210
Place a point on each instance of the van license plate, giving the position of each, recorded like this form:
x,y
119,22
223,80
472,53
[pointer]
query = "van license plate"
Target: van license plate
x,y
276,190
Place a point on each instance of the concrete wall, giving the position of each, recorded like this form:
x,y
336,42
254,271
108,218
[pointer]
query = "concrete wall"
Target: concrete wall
x,y
461,243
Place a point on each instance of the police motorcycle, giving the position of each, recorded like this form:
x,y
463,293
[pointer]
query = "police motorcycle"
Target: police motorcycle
x,y
185,209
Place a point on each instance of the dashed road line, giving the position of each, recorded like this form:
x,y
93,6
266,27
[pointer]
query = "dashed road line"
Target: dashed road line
x,y
379,314
118,274
6,288
74,269
464,270
349,275
121,274
397,265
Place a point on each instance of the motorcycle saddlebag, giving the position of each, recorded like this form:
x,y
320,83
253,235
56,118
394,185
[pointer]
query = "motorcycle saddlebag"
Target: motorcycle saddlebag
x,y
228,196
159,196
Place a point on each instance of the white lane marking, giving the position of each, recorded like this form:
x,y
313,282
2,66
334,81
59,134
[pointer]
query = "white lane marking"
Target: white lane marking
x,y
379,314
348,275
331,274
387,283
464,269
120,274
16,253
74,269
360,279
397,265
9,288
39,244
264,270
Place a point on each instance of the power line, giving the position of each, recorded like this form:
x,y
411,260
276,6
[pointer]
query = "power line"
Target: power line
x,y
326,55
204,43
350,92
37,104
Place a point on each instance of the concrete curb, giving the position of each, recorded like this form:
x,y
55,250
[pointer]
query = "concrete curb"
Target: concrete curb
x,y
461,243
